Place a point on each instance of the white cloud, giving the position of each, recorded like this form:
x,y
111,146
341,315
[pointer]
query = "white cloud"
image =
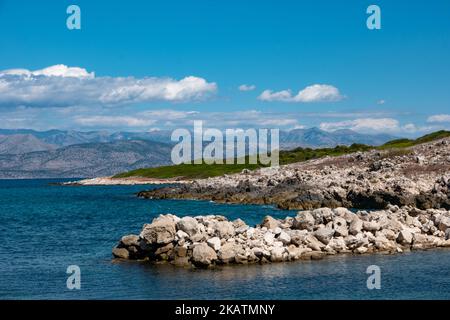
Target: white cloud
x,y
58,70
363,125
410,127
377,125
269,95
314,93
381,102
169,119
246,87
114,121
439,118
62,86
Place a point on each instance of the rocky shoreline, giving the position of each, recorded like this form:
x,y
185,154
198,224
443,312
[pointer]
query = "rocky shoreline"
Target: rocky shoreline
x,y
110,181
206,241
409,189
417,177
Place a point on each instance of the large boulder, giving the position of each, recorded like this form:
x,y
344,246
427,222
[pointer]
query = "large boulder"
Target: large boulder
x,y
276,254
284,238
270,223
304,220
181,235
120,253
269,238
161,231
240,226
405,237
340,227
324,235
313,243
297,236
130,240
322,215
388,233
444,223
294,253
239,223
337,245
423,241
224,229
203,255
384,244
164,251
371,226
188,225
227,252
241,255
214,243
344,213
355,226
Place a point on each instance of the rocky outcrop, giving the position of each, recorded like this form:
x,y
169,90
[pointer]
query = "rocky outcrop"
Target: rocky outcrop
x,y
370,180
205,241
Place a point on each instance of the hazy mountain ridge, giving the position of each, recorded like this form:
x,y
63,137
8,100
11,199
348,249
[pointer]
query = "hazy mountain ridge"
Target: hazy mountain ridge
x,y
22,143
317,138
85,160
27,153
312,137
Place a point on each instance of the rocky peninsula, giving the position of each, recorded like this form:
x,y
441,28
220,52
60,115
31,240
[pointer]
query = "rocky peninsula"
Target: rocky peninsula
x,y
205,241
403,197
418,176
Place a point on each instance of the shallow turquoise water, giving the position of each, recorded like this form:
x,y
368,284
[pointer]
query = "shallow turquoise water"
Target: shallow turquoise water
x,y
44,229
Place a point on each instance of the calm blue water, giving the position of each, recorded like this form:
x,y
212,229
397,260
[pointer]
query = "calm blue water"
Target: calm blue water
x,y
44,229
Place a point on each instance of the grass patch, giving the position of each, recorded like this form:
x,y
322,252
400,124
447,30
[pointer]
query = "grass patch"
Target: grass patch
x,y
200,171
188,171
305,154
405,143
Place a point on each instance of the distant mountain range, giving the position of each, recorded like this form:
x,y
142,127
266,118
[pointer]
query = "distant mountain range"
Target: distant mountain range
x,y
316,138
85,160
27,153
60,138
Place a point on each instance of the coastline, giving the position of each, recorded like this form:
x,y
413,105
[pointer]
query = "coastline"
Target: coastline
x,y
416,176
406,194
110,181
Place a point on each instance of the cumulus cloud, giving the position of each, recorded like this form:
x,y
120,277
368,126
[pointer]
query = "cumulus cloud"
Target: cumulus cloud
x,y
247,87
381,102
62,86
314,93
439,118
58,70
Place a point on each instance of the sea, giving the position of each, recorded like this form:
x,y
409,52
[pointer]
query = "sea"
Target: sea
x,y
46,228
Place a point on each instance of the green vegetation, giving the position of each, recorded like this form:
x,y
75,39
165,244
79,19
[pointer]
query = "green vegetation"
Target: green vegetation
x,y
190,171
304,154
405,143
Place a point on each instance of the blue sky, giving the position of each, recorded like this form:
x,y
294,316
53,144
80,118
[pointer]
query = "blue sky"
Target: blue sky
x,y
129,57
